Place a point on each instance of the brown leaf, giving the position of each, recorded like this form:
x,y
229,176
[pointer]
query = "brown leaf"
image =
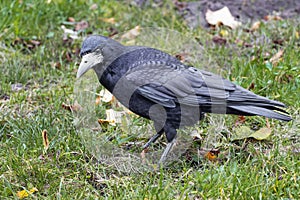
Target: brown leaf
x,y
76,107
272,17
35,42
276,57
181,56
81,25
241,120
219,40
112,31
131,34
71,19
255,26
212,155
45,139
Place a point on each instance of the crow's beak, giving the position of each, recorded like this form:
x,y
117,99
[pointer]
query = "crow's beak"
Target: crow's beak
x,y
88,61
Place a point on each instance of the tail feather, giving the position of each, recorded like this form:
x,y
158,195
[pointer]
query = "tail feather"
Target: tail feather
x,y
262,111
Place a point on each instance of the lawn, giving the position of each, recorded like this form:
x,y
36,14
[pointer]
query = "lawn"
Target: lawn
x,y
38,65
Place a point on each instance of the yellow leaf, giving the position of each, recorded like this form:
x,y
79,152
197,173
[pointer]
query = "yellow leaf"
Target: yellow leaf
x,y
222,16
23,194
262,133
224,33
241,132
109,20
45,139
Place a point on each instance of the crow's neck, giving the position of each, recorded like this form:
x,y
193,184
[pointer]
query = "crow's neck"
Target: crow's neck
x,y
117,68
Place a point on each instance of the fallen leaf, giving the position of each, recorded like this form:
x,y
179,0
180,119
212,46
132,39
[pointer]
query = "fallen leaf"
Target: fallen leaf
x,y
244,132
112,117
131,34
277,57
241,132
262,133
109,20
69,33
71,19
219,40
212,155
23,194
222,16
224,33
81,25
106,96
255,26
75,107
241,120
45,139
272,17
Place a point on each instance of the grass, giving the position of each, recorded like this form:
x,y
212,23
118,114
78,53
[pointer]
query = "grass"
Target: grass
x,y
263,170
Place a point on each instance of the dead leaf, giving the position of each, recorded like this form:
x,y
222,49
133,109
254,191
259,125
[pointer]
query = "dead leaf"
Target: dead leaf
x,y
255,26
71,19
81,25
277,57
261,134
241,132
109,20
212,155
241,120
106,96
69,33
23,194
272,17
131,34
219,40
244,132
222,16
45,139
112,117
75,107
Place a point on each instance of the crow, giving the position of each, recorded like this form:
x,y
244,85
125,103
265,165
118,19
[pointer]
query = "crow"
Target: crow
x,y
157,86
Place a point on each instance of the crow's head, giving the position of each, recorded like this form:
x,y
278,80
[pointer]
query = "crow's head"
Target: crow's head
x,y
96,51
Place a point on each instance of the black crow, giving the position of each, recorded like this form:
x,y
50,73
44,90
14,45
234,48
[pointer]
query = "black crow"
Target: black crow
x,y
157,86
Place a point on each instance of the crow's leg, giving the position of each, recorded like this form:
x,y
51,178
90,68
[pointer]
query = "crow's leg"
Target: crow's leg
x,y
166,151
153,139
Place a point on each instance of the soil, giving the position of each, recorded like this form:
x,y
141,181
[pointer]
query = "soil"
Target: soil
x,y
243,10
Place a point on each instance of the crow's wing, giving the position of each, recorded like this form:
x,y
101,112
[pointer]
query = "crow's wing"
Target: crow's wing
x,y
168,83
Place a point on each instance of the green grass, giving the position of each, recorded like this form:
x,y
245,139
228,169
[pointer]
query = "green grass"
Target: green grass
x,y
67,170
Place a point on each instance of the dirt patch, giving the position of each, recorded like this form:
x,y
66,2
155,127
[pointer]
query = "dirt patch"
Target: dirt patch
x,y
243,10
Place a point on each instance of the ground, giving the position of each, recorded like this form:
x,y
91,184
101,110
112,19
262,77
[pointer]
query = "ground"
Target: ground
x,y
41,148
